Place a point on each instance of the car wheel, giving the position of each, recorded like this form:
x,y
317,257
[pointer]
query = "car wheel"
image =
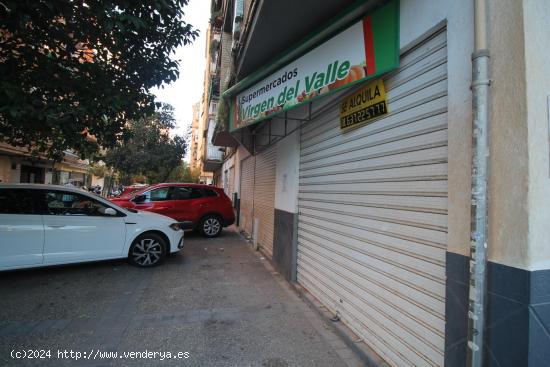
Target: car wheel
x,y
210,226
147,250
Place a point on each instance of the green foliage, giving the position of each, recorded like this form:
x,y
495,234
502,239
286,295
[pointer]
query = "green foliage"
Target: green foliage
x,y
148,149
215,17
222,116
68,66
184,173
98,170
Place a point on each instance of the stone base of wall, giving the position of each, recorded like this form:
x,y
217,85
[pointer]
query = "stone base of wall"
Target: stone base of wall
x,y
517,328
284,244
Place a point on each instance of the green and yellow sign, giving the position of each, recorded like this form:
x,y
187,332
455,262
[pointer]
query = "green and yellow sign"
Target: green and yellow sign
x,y
363,51
364,106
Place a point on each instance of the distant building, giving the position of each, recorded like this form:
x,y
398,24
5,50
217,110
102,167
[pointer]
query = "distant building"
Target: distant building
x,y
205,156
194,162
18,165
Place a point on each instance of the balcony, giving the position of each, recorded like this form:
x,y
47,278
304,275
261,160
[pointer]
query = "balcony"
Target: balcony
x,y
213,108
214,156
214,87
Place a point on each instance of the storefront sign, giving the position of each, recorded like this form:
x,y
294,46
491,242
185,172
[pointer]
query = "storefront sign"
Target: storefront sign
x,y
365,50
364,106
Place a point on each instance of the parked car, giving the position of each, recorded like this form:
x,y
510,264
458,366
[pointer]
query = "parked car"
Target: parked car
x,y
207,207
123,191
51,225
129,190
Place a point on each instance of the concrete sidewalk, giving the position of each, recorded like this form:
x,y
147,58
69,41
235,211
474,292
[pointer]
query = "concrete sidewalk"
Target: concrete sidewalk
x,y
219,301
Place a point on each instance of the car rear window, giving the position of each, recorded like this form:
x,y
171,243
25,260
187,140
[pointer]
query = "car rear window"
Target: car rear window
x,y
21,201
209,193
185,193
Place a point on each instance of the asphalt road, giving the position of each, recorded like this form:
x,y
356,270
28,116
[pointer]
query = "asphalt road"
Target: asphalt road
x,y
216,304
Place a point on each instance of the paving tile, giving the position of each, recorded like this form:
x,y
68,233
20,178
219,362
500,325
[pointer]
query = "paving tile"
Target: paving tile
x,y
226,308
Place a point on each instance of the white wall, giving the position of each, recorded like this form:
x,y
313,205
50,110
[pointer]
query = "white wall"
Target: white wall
x,y
418,17
288,161
16,174
226,166
536,15
5,169
98,181
48,177
240,154
519,180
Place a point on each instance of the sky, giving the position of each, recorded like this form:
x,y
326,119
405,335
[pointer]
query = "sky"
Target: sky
x,y
187,90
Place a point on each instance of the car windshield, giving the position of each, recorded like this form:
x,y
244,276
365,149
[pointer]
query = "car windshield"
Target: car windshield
x,y
138,191
131,190
117,207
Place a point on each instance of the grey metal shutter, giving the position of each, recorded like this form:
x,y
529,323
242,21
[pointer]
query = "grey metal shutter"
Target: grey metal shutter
x,y
246,193
372,230
264,197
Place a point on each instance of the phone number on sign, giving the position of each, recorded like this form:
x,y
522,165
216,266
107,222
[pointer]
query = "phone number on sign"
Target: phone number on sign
x,y
365,114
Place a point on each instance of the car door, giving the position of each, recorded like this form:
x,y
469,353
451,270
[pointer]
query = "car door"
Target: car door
x,y
76,229
156,200
21,228
190,203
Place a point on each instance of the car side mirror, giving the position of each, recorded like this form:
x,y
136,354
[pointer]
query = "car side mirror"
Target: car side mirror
x,y
110,212
139,199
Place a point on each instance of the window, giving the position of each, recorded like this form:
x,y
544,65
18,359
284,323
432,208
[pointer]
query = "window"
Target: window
x,y
69,203
157,194
185,193
21,201
209,193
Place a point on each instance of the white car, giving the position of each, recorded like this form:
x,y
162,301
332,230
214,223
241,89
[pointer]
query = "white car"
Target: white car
x,y
43,225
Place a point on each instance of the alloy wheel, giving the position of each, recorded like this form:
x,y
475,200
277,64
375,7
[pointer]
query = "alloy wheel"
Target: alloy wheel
x,y
147,252
211,226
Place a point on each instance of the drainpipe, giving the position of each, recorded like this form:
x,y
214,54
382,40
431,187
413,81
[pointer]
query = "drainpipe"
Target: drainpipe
x,y
480,157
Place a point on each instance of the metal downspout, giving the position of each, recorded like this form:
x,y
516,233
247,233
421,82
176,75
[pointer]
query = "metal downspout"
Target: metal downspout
x,y
480,157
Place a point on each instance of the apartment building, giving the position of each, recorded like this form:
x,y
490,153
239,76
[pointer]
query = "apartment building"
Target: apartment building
x,y
18,165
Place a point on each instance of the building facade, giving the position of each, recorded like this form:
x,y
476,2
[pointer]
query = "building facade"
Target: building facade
x,y
205,156
18,165
194,161
369,206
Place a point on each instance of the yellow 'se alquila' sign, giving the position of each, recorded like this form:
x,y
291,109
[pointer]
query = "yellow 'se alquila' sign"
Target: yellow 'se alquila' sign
x,y
364,106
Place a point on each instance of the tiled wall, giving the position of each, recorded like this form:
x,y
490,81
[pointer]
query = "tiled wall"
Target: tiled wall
x,y
284,245
517,320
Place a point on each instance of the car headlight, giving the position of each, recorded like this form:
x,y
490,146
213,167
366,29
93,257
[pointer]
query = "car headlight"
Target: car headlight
x,y
176,226
185,225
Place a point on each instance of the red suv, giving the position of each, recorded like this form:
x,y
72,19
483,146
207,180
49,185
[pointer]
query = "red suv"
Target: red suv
x,y
208,207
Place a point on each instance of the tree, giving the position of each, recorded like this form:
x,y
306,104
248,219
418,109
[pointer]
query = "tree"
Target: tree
x,y
149,150
98,170
71,68
184,173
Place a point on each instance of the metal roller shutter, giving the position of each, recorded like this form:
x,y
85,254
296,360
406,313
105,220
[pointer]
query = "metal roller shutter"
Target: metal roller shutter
x,y
247,194
264,197
372,230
